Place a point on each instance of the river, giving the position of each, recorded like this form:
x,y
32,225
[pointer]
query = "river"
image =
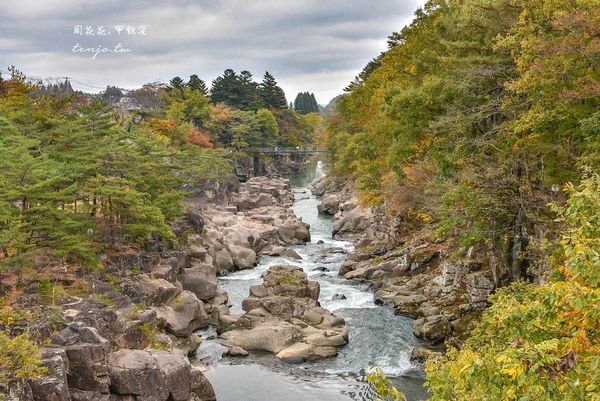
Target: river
x,y
377,337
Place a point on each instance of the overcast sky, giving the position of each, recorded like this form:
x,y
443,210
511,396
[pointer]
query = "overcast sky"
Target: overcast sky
x,y
309,45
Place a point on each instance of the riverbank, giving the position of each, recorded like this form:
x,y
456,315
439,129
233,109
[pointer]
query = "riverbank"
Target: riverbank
x,y
441,285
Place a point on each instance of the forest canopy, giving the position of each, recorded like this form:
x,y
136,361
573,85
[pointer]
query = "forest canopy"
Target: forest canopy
x,y
482,122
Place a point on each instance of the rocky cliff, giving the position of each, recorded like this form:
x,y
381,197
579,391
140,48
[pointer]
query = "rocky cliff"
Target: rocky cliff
x,y
442,286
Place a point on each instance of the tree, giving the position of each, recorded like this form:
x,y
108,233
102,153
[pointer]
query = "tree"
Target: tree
x,y
198,137
226,89
176,83
186,105
196,84
268,130
271,94
239,91
250,98
112,95
20,359
74,181
149,97
306,103
220,119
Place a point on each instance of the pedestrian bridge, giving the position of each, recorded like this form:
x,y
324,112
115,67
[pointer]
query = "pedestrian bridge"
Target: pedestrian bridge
x,y
303,150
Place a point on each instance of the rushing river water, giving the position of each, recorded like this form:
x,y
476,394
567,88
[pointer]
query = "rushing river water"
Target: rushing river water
x,y
376,336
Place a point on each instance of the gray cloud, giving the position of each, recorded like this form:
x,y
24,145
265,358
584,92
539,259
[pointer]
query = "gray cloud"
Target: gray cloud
x,y
314,45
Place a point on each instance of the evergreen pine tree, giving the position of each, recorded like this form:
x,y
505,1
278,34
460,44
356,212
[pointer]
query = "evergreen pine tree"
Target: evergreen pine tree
x,y
226,89
195,83
272,95
250,95
176,83
306,103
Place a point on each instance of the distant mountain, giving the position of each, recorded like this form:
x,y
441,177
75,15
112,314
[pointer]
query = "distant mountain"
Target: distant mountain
x,y
330,108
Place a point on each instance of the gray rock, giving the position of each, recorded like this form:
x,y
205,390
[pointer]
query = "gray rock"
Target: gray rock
x,y
243,258
150,375
236,351
268,336
55,387
433,328
201,387
223,261
421,354
201,279
329,205
151,291
87,367
196,251
290,253
166,272
408,304
195,220
183,315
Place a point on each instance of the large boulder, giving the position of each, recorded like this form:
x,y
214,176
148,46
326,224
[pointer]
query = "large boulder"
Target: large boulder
x,y
329,205
421,354
151,291
408,305
201,279
293,230
183,315
201,387
352,222
283,316
135,326
150,375
55,387
433,328
302,352
86,351
243,258
224,262
268,336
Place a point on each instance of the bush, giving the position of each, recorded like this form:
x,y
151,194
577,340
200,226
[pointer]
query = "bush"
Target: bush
x,y
19,359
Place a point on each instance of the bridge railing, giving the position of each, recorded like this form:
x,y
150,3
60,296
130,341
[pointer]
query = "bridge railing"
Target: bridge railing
x,y
292,150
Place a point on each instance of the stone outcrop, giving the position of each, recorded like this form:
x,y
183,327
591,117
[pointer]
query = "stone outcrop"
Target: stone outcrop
x,y
131,341
420,276
340,199
84,367
155,376
130,338
283,316
257,220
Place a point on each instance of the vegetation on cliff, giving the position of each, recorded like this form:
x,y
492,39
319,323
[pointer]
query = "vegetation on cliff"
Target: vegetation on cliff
x,y
475,117
538,342
475,121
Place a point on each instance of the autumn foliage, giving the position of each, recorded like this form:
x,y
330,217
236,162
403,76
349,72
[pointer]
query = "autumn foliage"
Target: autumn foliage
x,y
199,137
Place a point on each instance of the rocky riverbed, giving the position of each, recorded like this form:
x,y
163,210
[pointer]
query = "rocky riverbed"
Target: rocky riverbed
x,y
376,336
